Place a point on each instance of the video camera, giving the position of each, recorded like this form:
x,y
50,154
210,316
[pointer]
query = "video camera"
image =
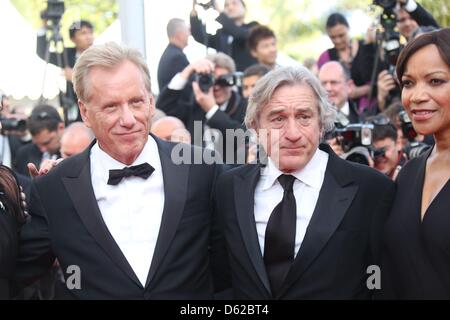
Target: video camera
x,y
355,139
207,80
12,124
390,37
54,11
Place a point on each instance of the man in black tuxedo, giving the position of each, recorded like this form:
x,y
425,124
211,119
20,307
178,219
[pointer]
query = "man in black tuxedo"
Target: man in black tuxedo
x,y
82,35
173,59
308,224
122,214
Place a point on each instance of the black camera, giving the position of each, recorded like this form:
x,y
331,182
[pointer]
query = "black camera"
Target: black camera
x,y
390,37
378,153
207,80
206,4
407,127
54,11
414,148
386,4
12,124
355,140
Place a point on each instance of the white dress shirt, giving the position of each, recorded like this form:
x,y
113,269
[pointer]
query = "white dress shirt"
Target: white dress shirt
x,y
345,109
132,210
269,193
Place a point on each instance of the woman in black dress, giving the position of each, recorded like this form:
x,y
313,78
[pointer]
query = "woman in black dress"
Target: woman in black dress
x,y
416,255
12,216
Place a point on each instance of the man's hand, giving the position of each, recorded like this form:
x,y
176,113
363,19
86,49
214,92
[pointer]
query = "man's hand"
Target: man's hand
x,y
45,167
205,100
385,83
217,6
200,66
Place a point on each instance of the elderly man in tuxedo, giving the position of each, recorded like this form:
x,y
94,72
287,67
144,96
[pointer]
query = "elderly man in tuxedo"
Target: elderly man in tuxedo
x,y
306,224
123,220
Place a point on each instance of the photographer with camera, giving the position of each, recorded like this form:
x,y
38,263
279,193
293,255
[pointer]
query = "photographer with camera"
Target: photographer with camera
x,y
410,18
387,155
213,101
81,34
12,132
232,38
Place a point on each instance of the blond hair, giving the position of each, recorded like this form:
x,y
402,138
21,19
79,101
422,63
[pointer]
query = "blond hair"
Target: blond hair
x,y
108,55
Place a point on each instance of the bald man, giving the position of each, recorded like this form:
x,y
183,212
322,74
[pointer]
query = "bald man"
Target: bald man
x,y
338,84
75,139
171,129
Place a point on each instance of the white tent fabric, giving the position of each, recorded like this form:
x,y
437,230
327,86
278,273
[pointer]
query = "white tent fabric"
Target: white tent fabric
x,y
21,70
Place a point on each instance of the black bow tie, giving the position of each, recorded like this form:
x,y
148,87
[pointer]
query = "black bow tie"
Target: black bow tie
x,y
143,170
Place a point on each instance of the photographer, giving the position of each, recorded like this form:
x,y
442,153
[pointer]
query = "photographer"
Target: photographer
x,y
46,128
82,35
410,19
410,16
12,132
220,107
12,215
232,38
388,157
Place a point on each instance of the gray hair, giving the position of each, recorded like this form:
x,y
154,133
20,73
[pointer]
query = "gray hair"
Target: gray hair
x,y
221,60
266,86
108,55
174,25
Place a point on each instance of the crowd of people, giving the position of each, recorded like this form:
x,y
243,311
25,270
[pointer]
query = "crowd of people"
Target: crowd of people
x,y
148,196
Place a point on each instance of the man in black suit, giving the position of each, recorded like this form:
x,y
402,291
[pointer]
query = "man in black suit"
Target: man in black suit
x,y
46,128
82,35
338,84
123,220
410,16
173,59
308,224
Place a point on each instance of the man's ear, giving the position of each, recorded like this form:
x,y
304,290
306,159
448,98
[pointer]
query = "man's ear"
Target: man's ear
x,y
83,113
254,54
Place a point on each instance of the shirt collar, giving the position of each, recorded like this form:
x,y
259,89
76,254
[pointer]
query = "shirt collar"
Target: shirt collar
x,y
148,154
311,175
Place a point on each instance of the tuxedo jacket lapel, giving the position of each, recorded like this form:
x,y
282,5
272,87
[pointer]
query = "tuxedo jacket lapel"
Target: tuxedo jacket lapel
x,y
79,187
244,194
175,190
335,197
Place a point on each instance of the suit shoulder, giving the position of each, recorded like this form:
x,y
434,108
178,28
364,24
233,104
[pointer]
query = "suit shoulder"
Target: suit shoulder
x,y
368,175
64,168
228,173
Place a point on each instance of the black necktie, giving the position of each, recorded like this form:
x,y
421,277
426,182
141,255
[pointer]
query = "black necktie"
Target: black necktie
x,y
143,170
279,244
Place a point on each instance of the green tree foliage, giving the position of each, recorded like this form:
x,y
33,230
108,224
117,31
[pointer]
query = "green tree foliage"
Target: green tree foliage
x,y
440,9
99,12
